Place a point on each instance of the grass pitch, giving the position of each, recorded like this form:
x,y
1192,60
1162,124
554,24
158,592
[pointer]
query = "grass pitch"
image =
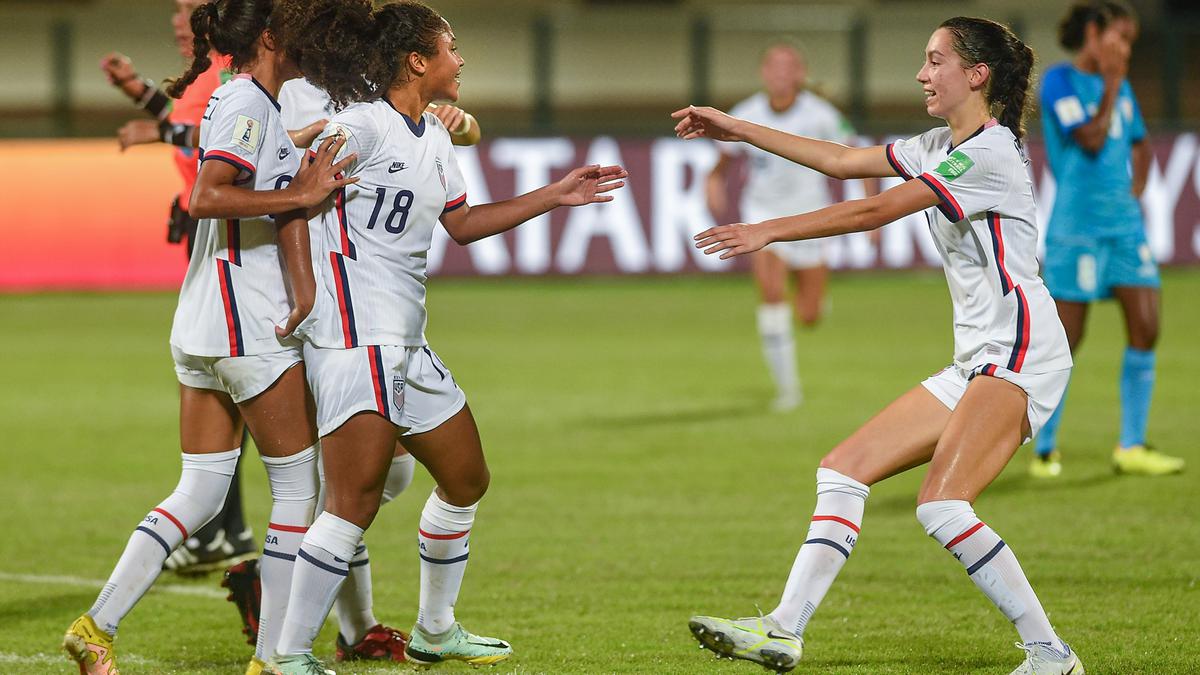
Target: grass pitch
x,y
637,479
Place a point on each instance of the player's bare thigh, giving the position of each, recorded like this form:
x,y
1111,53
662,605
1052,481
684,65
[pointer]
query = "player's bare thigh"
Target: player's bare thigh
x,y
209,421
901,436
770,275
983,433
453,455
810,293
282,419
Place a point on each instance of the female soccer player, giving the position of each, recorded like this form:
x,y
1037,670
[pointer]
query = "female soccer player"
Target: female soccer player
x,y
1011,360
1095,243
234,360
373,374
776,187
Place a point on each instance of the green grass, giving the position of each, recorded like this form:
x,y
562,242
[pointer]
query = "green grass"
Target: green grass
x,y
636,480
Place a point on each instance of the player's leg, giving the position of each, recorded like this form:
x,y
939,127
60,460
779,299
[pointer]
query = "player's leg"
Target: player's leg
x,y
453,455
1046,462
983,433
282,416
1140,306
775,327
223,541
901,436
210,429
810,293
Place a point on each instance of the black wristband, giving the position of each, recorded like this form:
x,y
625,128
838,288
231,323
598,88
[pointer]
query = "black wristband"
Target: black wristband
x,y
155,102
176,134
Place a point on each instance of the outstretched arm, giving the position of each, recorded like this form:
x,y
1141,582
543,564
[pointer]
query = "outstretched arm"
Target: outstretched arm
x,y
857,215
832,159
585,185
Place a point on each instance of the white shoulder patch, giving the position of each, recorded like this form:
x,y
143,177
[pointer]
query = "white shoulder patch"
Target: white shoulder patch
x,y
247,133
1069,111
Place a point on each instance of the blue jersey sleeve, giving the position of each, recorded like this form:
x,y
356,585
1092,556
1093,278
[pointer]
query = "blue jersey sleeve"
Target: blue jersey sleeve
x,y
1061,101
1137,125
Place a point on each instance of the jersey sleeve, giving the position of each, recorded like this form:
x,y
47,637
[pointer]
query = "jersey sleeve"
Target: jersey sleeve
x,y
456,186
1062,101
360,132
972,179
236,130
905,156
1137,125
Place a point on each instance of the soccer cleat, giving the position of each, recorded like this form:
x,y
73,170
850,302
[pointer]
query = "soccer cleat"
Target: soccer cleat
x,y
759,639
456,644
1042,659
1145,461
1046,466
296,664
245,591
90,647
256,666
786,402
381,643
194,557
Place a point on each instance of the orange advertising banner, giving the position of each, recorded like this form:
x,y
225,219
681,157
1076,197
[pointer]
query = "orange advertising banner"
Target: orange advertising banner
x,y
84,215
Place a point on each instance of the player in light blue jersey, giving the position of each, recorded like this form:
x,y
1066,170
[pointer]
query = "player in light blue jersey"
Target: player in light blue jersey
x,y
1096,241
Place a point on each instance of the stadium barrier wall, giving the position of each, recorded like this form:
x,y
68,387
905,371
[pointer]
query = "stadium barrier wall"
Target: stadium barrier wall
x,y
82,215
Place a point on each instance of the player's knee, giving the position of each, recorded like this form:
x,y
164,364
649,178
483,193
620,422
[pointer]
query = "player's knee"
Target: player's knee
x,y
1146,337
846,461
469,489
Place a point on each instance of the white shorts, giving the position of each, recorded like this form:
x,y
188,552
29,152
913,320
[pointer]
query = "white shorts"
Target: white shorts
x,y
1043,390
410,386
799,255
242,377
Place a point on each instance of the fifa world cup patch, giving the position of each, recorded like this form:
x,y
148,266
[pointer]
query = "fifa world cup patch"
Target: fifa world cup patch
x,y
247,132
955,165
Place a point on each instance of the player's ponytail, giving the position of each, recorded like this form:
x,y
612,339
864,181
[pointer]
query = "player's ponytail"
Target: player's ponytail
x,y
229,27
1073,27
402,28
1009,61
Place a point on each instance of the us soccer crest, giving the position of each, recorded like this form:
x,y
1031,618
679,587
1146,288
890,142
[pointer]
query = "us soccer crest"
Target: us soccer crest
x,y
441,172
398,392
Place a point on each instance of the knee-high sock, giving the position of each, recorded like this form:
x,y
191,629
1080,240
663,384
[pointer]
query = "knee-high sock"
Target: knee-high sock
x,y
354,605
831,537
197,498
991,564
229,523
294,491
322,564
1047,438
444,546
779,346
1137,388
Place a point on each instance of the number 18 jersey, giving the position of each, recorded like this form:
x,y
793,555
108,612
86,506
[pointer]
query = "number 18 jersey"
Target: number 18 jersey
x,y
370,244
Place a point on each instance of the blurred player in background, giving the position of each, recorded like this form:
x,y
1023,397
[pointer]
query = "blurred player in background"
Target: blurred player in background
x,y
1096,241
778,187
1011,358
236,366
226,539
372,373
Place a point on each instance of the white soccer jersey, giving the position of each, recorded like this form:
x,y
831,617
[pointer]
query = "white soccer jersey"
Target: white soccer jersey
x,y
985,229
303,103
371,244
777,185
234,292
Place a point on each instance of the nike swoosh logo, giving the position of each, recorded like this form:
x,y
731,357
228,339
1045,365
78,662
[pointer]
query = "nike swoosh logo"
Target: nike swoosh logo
x,y
775,636
496,645
398,166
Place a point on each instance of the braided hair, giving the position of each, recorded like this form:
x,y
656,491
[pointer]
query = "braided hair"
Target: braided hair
x,y
230,27
1008,58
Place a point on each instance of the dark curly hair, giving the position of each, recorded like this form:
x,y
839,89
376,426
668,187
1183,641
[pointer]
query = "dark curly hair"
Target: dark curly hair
x,y
1008,58
355,53
1071,29
232,28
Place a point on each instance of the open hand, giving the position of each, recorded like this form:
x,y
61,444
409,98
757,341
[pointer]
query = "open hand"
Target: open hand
x,y
319,177
137,132
304,137
120,73
295,317
452,117
1113,59
731,240
705,122
587,184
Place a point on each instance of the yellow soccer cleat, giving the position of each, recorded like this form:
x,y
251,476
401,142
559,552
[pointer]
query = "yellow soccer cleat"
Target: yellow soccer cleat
x,y
90,647
1143,461
256,666
1049,466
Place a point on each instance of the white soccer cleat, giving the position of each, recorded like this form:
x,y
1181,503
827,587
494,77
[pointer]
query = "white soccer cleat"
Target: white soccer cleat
x,y
759,639
1042,659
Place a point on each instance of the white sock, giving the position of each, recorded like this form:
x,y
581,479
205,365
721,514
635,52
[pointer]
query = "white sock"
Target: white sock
x,y
294,491
354,607
444,547
779,346
990,564
322,563
831,537
196,500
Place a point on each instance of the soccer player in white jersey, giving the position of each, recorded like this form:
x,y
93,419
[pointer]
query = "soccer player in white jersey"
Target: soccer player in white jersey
x,y
371,371
234,356
777,187
1011,359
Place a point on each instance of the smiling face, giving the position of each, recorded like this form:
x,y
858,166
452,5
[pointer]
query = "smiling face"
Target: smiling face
x,y
946,81
443,69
